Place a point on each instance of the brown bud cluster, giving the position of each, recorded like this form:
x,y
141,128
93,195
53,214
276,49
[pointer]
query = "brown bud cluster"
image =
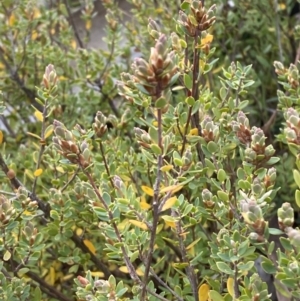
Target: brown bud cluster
x,y
242,128
256,152
210,131
199,20
66,144
50,77
6,210
100,125
154,76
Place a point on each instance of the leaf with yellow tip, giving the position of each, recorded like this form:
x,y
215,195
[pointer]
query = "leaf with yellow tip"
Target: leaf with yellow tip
x,y
194,132
28,213
192,244
203,292
60,169
90,246
155,123
170,224
139,224
169,203
49,131
173,188
124,269
34,135
230,286
38,172
39,116
139,272
1,137
149,191
166,168
6,255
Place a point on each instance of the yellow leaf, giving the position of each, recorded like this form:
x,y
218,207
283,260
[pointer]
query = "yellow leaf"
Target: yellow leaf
x,y
90,246
194,132
34,35
166,168
145,205
28,213
49,131
192,244
97,274
60,169
73,44
11,20
203,292
39,116
34,135
79,231
169,203
170,224
36,13
38,172
282,6
230,286
139,272
207,39
6,255
173,188
155,123
88,24
148,190
1,137
50,279
138,224
124,269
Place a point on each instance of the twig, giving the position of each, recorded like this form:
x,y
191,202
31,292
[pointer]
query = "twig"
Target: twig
x,y
190,271
66,2
71,180
42,143
105,163
155,207
130,267
195,94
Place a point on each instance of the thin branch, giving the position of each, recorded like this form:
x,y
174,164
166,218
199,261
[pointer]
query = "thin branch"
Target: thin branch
x,y
42,144
190,271
71,179
105,163
66,2
155,207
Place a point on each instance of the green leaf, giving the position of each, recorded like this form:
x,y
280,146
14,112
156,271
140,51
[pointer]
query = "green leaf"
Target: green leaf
x,y
37,294
223,196
296,175
221,176
212,147
268,266
187,81
297,197
275,231
161,103
156,149
215,296
225,268
190,101
246,266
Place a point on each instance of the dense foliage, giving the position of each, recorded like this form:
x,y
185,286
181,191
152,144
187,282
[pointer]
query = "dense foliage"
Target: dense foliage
x,y
154,177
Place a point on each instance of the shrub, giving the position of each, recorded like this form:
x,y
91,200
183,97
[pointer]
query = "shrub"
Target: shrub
x,y
146,180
